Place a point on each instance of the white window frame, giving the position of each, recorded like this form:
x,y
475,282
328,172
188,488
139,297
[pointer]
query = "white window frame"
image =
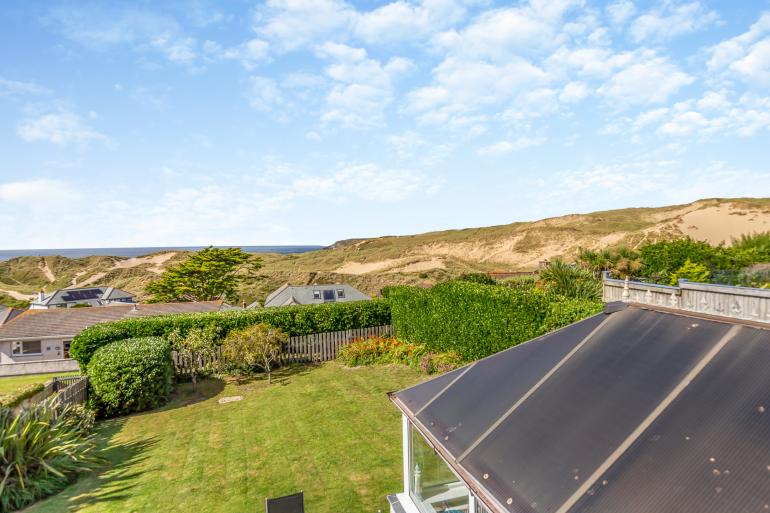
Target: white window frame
x,y
340,293
317,294
406,433
19,344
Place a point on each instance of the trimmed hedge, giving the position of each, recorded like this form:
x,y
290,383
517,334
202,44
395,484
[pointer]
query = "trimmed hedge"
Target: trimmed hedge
x,y
16,397
130,376
293,320
477,320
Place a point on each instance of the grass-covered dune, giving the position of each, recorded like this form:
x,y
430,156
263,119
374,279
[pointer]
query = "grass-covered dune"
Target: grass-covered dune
x,y
424,259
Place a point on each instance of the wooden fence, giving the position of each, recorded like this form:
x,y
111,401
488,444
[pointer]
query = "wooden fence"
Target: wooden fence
x,y
73,391
322,347
319,347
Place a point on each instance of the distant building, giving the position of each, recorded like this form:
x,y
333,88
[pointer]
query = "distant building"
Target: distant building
x,y
312,294
7,313
38,341
88,296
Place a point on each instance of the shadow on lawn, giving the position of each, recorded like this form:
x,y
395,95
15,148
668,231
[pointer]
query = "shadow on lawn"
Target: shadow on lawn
x,y
111,481
280,376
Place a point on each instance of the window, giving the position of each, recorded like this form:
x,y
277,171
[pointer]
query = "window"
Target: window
x,y
433,485
67,348
328,295
341,293
28,347
316,294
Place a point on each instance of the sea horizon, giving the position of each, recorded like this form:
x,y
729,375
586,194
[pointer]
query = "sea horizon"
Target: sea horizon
x,y
129,252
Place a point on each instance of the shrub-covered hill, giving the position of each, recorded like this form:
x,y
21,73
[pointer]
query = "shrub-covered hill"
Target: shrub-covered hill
x,y
424,259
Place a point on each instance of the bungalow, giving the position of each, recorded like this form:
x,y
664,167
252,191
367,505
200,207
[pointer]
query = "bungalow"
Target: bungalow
x,y
39,340
312,294
90,296
644,408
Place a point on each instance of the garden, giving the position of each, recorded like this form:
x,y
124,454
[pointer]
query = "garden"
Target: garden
x,y
237,426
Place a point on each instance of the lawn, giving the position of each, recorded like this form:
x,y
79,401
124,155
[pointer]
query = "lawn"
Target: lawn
x,y
327,430
12,383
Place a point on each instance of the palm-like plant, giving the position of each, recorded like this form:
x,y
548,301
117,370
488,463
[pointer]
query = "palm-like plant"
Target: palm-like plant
x,y
41,450
570,281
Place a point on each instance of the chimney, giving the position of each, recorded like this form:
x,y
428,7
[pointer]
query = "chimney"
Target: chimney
x,y
135,307
41,296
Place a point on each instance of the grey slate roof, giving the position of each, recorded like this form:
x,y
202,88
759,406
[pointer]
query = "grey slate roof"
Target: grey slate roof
x,y
60,297
68,322
637,410
305,295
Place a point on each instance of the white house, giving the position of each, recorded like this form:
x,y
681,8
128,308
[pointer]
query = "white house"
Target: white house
x,y
89,296
38,340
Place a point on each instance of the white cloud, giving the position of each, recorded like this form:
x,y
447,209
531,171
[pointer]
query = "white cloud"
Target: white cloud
x,y
61,128
291,24
103,27
663,181
405,21
15,87
363,87
671,20
505,147
755,65
249,53
651,79
364,181
574,92
264,94
725,52
37,192
620,11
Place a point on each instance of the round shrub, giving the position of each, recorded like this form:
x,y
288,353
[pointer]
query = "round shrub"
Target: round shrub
x,y
131,375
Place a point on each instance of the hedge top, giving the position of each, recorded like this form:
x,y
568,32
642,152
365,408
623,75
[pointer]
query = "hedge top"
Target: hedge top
x,y
293,320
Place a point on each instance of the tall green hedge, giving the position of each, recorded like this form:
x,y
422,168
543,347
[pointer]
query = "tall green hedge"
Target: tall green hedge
x,y
478,320
130,376
294,320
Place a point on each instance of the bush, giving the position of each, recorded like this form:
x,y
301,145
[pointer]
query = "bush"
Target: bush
x,y
690,271
41,451
258,345
477,320
564,311
130,376
16,397
292,320
482,278
380,350
387,350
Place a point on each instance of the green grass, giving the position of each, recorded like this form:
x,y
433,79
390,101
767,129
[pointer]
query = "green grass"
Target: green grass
x,y
327,430
12,383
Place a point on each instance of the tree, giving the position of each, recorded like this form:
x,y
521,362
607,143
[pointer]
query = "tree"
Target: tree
x,y
196,347
257,345
207,275
570,281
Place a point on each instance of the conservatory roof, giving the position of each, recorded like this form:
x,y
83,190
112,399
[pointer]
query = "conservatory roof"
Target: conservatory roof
x,y
636,410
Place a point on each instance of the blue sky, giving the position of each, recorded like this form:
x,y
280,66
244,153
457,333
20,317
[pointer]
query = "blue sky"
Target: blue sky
x,y
308,121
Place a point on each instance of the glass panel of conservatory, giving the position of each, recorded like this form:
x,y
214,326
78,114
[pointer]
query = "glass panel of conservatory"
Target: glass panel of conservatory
x,y
433,485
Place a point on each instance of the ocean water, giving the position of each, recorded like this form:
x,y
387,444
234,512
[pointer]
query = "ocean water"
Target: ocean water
x,y
6,254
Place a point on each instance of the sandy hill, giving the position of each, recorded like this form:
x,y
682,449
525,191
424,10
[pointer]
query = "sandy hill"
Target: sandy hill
x,y
369,264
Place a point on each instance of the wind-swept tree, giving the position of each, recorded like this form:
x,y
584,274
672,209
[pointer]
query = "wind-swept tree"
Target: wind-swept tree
x,y
207,275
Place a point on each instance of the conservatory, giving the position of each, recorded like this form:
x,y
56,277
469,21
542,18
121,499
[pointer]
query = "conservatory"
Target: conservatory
x,y
638,409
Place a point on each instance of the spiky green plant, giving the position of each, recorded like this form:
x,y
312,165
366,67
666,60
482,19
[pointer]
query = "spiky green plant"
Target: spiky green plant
x,y
41,450
570,281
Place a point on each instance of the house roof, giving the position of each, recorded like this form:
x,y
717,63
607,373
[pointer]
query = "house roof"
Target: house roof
x,y
638,410
63,296
303,294
68,322
7,313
